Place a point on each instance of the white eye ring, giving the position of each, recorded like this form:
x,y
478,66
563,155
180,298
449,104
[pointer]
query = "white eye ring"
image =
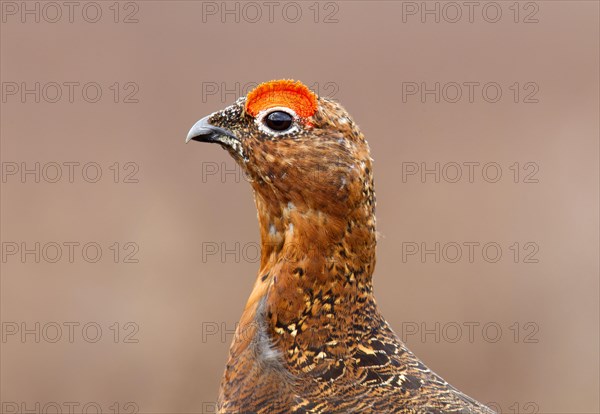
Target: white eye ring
x,y
264,128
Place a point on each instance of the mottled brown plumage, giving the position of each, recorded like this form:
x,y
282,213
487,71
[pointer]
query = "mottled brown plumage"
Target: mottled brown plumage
x,y
311,338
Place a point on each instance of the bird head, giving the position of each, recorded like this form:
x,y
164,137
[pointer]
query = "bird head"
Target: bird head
x,y
296,148
310,168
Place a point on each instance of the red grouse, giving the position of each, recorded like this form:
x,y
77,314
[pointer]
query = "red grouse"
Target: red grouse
x,y
311,338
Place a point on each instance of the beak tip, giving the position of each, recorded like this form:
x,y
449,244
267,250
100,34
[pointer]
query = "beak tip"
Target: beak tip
x,y
200,128
203,131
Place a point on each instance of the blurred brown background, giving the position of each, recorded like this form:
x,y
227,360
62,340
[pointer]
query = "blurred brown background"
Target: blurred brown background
x,y
518,331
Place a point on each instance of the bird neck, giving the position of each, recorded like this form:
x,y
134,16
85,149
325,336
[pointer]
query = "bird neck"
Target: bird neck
x,y
301,245
316,270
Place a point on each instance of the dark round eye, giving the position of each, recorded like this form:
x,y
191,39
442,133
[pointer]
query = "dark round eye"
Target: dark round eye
x,y
279,120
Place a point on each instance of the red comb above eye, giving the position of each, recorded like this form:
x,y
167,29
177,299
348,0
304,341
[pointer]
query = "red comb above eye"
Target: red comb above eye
x,y
287,93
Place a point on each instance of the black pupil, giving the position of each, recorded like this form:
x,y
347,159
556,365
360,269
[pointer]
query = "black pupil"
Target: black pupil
x,y
279,120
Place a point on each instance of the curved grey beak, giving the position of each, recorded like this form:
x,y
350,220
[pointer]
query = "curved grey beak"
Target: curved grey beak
x,y
202,131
